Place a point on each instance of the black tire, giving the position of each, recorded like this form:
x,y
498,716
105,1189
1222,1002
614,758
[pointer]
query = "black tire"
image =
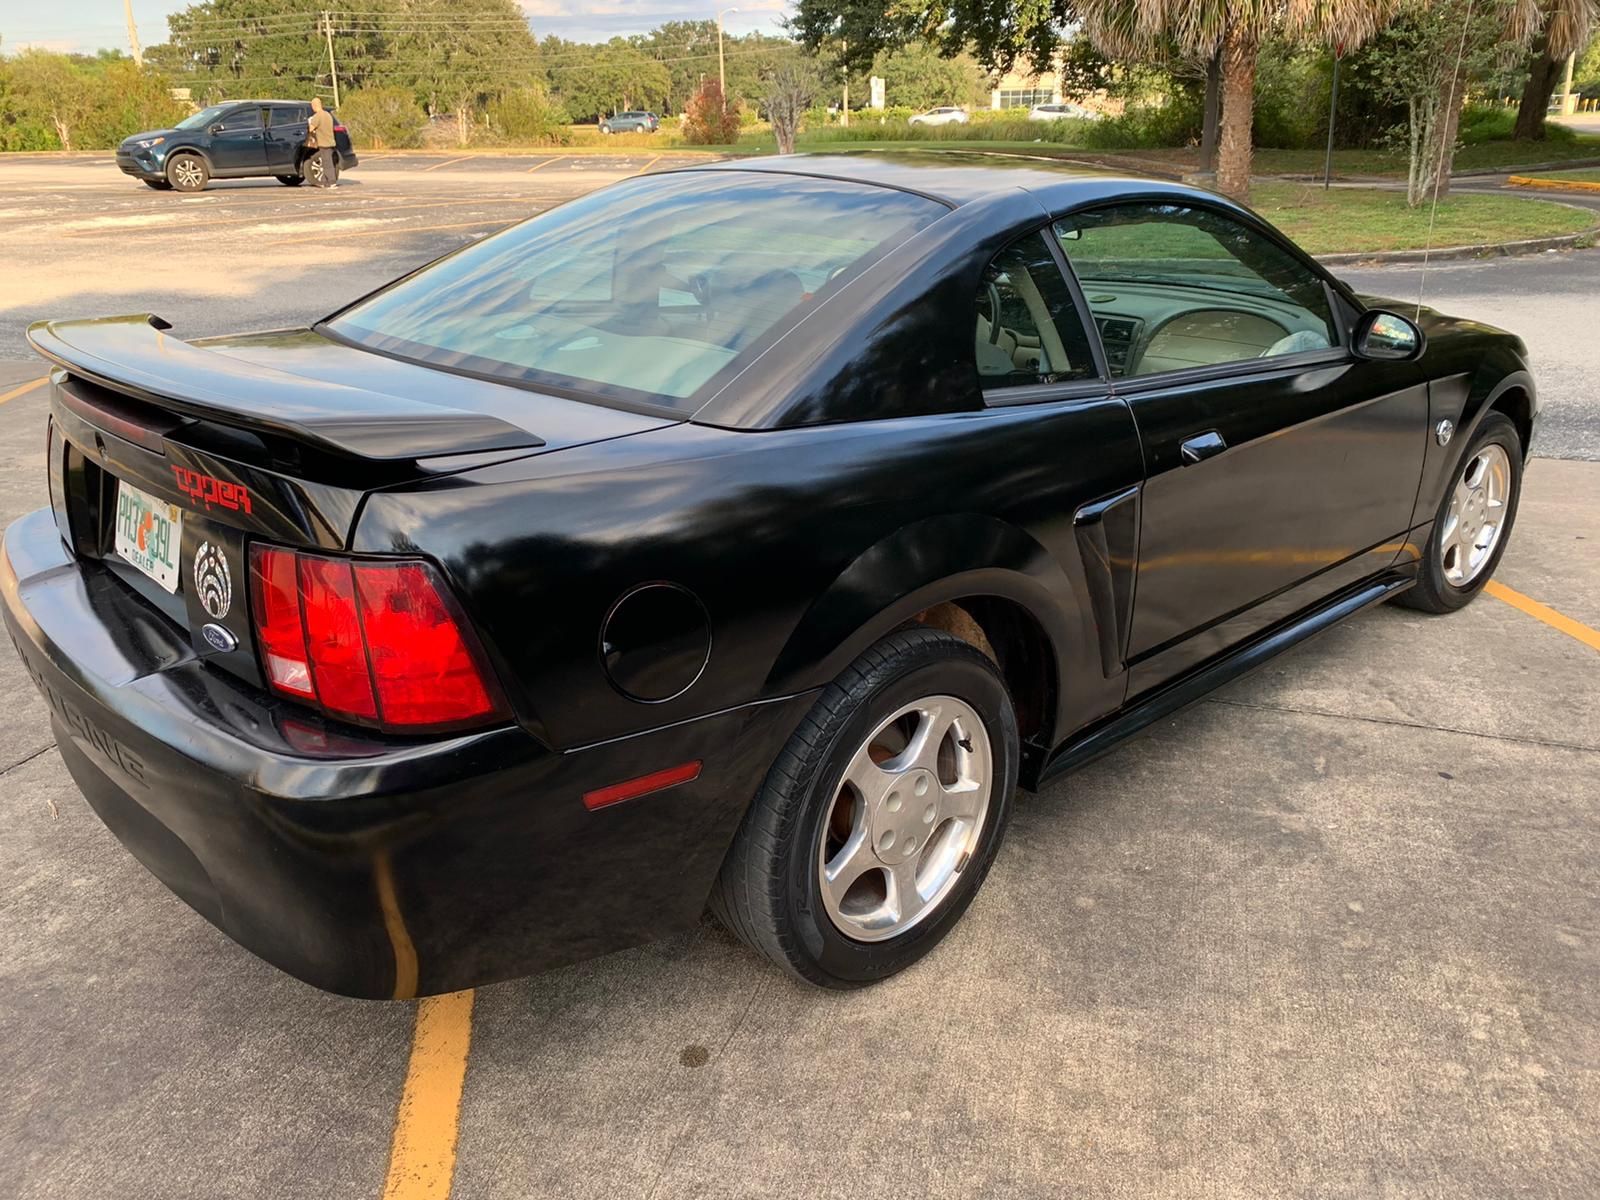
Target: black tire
x,y
290,180
768,892
188,172
160,185
1434,593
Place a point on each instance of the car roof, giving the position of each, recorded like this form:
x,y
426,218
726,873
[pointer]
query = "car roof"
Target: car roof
x,y
959,177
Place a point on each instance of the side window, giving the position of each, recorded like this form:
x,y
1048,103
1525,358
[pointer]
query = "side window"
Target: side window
x,y
241,118
290,114
1173,286
1028,329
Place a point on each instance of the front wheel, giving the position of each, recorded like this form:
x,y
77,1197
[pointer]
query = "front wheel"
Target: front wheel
x,y
290,180
1473,522
879,819
188,173
160,185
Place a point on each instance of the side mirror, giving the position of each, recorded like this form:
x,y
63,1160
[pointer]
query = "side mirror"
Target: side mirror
x,y
1386,337
217,128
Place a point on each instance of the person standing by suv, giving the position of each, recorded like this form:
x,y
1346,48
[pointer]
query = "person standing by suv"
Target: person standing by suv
x,y
319,139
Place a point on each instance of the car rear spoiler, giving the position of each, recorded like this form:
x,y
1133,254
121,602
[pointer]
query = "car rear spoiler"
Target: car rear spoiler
x,y
136,356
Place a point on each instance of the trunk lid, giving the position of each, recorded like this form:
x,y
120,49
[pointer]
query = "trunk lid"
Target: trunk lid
x,y
274,436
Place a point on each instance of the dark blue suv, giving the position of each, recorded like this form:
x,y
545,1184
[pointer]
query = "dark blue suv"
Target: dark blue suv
x,y
234,140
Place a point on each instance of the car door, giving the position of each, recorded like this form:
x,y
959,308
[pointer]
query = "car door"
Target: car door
x,y
1279,467
286,134
1075,469
238,142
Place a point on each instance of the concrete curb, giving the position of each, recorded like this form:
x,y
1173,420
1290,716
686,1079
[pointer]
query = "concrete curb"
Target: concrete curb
x,y
1571,164
1565,241
1553,185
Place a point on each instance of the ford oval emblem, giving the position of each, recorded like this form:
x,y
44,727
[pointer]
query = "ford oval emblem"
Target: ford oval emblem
x,y
218,637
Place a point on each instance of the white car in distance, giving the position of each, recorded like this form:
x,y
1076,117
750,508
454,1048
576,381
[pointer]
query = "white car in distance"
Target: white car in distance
x,y
1057,112
945,115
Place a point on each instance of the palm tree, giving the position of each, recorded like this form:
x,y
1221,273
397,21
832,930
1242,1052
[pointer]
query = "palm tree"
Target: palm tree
x,y
1555,29
1236,28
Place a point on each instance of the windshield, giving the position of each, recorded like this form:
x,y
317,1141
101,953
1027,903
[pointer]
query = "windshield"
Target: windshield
x,y
202,118
652,292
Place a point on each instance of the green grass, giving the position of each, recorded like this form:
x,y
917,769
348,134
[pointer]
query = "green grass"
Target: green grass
x,y
1498,156
1369,219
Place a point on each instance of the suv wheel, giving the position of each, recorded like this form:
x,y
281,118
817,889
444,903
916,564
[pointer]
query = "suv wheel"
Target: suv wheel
x,y
1473,522
160,185
188,172
290,180
879,819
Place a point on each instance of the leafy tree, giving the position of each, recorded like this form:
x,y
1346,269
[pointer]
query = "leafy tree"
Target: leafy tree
x,y
920,77
54,89
710,120
383,118
593,81
526,116
1425,61
789,94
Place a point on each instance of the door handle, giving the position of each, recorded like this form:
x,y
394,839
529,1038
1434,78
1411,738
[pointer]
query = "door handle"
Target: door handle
x,y
1201,446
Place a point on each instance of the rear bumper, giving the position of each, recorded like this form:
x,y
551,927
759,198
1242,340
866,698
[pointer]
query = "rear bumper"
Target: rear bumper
x,y
371,867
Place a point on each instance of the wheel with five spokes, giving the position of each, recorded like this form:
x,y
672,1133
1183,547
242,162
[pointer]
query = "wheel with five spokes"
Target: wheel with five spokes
x,y
1474,520
879,819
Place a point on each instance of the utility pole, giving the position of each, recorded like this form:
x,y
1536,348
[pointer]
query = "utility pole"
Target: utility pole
x,y
333,72
844,113
722,75
133,34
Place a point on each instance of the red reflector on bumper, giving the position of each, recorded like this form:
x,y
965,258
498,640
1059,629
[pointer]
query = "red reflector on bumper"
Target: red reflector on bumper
x,y
633,788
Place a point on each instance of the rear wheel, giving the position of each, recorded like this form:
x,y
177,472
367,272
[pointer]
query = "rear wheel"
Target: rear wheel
x,y
160,185
290,180
188,172
879,819
1473,522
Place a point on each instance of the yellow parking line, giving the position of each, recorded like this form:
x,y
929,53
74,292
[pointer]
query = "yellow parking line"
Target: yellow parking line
x,y
545,163
650,164
394,922
422,1157
1573,629
449,162
24,389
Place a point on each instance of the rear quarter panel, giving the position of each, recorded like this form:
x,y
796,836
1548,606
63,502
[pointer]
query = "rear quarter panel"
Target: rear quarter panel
x,y
804,545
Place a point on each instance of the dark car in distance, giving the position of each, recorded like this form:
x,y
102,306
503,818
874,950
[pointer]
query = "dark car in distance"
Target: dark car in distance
x,y
630,122
742,534
237,140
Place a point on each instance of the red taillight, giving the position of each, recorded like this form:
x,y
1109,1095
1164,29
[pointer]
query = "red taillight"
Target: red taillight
x,y
339,129
425,673
368,641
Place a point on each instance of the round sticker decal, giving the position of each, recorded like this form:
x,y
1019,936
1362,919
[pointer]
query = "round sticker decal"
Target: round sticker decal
x,y
212,582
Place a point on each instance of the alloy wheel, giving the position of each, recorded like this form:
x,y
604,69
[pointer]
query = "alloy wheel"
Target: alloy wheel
x,y
187,174
905,818
1476,516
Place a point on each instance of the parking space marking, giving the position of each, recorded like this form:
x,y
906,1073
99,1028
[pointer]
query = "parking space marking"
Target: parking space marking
x,y
1573,629
650,164
340,235
536,166
345,209
24,389
449,162
422,1157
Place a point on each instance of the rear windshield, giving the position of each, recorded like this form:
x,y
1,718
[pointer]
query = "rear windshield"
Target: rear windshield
x,y
652,292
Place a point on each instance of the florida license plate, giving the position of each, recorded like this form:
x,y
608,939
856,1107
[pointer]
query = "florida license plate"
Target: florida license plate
x,y
149,531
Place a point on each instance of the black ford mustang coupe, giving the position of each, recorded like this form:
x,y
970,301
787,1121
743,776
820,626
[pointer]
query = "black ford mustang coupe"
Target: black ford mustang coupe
x,y
745,533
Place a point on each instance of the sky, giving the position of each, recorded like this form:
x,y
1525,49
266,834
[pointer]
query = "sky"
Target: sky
x,y
90,25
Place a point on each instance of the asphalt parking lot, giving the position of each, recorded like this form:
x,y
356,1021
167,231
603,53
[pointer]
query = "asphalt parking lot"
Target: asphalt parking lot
x,y
1333,932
